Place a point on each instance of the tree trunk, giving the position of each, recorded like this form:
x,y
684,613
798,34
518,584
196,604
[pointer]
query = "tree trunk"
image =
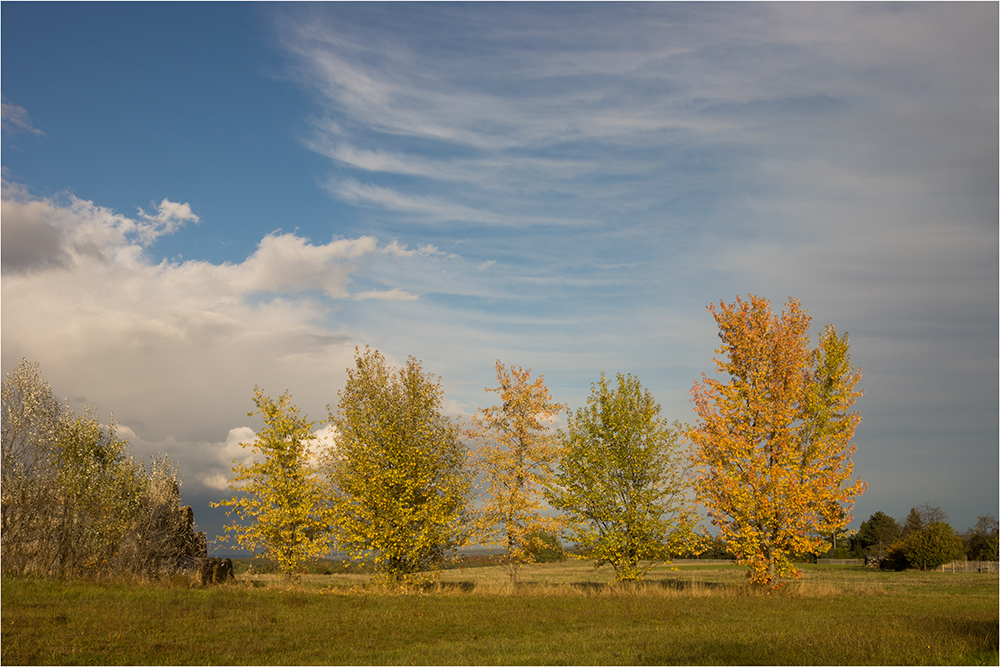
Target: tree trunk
x,y
510,559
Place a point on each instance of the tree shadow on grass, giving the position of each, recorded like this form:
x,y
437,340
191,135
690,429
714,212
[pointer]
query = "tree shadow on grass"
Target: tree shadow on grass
x,y
689,585
454,586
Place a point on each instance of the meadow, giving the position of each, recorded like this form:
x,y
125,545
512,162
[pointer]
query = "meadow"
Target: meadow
x,y
559,613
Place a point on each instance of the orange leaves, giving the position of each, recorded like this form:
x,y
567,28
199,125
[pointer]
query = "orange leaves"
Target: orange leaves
x,y
772,445
515,455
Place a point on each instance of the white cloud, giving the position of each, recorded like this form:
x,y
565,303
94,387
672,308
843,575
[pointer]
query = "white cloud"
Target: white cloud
x,y
168,218
216,469
394,294
176,348
398,250
15,119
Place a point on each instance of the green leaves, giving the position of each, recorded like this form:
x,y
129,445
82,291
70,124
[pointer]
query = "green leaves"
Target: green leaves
x,y
622,482
74,502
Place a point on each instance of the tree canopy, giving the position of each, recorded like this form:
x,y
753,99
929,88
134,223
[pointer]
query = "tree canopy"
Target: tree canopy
x,y
398,478
73,501
280,496
515,456
772,446
621,481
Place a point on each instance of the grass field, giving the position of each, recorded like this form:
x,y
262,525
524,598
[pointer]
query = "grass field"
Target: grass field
x,y
561,613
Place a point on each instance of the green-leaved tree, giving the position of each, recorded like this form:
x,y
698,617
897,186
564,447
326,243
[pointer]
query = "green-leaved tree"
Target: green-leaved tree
x,y
621,481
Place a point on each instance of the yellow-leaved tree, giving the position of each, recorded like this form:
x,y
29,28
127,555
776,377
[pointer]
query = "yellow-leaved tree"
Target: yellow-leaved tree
x,y
622,481
772,446
398,475
281,510
515,456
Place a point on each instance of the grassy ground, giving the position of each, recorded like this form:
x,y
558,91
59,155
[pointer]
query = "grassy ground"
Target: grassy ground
x,y
561,613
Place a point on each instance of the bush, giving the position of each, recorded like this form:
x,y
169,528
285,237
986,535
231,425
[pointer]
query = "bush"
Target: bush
x,y
544,547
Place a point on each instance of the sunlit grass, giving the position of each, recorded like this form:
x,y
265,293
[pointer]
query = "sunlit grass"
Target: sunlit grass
x,y
559,613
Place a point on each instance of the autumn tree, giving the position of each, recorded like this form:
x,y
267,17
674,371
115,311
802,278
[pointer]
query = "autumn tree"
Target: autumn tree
x,y
772,446
100,494
31,421
516,451
280,508
621,481
398,474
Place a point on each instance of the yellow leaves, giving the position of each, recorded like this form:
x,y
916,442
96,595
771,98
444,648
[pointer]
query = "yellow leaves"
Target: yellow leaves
x,y
772,446
282,499
515,455
398,477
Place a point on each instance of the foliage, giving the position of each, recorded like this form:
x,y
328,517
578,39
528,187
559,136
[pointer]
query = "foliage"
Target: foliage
x,y
982,540
515,455
933,545
32,420
914,522
74,502
544,547
714,548
280,496
875,536
773,447
399,483
100,494
622,483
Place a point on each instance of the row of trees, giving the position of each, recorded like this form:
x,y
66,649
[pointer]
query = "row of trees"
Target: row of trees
x,y
770,459
73,502
924,541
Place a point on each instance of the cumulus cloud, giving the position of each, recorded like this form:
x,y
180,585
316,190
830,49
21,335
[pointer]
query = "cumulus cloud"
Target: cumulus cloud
x,y
215,471
44,233
175,348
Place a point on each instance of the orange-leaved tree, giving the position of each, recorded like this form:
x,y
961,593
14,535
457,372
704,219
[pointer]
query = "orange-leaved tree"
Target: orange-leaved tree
x,y
772,446
515,456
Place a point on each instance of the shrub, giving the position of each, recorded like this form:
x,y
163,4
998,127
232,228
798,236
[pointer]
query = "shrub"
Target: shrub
x,y
544,547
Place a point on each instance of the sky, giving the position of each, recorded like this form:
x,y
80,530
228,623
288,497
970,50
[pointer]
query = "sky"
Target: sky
x,y
201,198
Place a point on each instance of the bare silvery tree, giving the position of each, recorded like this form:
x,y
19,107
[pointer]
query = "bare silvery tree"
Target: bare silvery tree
x,y
28,493
74,502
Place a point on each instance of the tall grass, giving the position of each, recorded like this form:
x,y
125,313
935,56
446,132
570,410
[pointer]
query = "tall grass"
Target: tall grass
x,y
560,613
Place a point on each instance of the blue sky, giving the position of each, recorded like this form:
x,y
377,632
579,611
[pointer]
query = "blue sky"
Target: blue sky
x,y
200,198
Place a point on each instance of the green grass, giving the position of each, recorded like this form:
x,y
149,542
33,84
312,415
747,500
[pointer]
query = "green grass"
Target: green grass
x,y
561,613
